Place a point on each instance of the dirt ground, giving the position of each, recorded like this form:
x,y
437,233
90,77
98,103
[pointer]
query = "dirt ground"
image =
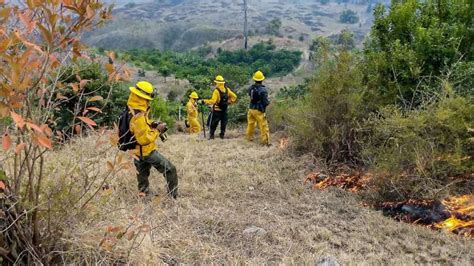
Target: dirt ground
x,y
230,185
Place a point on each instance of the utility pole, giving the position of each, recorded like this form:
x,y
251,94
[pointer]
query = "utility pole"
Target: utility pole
x,y
246,34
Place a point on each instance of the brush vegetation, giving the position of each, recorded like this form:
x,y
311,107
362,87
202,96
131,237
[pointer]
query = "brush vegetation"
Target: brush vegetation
x,y
401,108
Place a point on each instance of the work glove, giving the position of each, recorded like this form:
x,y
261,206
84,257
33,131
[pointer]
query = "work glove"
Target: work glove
x,y
161,127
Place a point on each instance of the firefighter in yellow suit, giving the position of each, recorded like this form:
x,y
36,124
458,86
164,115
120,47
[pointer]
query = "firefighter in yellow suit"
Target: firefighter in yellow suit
x,y
192,110
258,103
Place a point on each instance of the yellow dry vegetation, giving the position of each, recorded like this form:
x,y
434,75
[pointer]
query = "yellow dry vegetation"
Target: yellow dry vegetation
x,y
228,186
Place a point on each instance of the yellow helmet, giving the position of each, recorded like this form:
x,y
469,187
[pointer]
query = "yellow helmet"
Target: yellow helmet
x,y
144,90
219,79
194,95
258,76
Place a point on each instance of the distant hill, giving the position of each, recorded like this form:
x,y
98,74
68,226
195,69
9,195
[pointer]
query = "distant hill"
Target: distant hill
x,y
184,24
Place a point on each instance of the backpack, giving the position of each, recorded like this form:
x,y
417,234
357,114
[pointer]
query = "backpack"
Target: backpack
x,y
255,96
127,140
224,100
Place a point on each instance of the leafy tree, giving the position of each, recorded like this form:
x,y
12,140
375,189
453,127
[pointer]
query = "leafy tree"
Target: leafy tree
x,y
349,17
413,44
273,27
109,99
346,39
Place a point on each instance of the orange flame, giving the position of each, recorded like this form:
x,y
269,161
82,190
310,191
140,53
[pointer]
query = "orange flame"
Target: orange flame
x,y
454,225
459,206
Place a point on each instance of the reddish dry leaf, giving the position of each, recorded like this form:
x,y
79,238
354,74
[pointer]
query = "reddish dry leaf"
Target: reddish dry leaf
x,y
75,87
83,83
95,109
45,141
114,229
47,130
6,142
46,33
96,98
20,123
59,96
87,120
19,147
78,129
34,127
2,185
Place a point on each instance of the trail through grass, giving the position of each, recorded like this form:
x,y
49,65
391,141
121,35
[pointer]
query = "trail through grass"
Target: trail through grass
x,y
229,185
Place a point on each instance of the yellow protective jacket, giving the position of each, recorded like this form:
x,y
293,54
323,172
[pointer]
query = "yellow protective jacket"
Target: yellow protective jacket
x,y
194,125
215,99
140,126
191,109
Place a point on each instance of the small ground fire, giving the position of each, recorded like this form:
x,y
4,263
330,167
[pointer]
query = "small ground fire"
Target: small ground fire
x,y
454,214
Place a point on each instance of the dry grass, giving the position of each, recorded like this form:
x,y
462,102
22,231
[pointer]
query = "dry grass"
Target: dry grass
x,y
227,186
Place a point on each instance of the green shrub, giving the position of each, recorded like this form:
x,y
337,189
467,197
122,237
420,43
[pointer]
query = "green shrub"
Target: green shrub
x,y
349,17
114,96
238,111
327,120
280,114
163,111
413,44
421,153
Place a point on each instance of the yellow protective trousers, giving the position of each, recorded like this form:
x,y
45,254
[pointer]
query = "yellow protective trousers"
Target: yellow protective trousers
x,y
194,125
255,117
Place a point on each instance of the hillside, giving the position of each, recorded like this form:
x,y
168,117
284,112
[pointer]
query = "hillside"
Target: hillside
x,y
179,25
230,185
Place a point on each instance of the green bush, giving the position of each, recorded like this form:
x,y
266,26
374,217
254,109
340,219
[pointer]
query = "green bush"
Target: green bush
x,y
421,153
413,44
349,17
328,119
280,114
163,111
114,96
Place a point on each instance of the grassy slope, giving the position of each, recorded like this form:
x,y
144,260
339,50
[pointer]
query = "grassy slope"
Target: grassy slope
x,y
229,185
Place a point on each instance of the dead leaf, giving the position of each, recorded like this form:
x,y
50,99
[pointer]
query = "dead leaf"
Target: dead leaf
x,y
46,33
2,185
45,141
34,127
20,123
96,98
78,129
20,147
46,130
114,229
95,109
83,83
87,120
75,87
6,142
